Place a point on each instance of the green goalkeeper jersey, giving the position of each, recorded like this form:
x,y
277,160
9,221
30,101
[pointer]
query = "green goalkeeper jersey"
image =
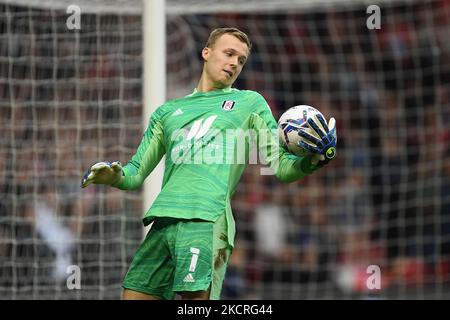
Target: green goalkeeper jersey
x,y
207,138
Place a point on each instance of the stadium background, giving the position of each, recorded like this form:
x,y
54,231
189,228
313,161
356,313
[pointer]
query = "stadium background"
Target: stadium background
x,y
70,98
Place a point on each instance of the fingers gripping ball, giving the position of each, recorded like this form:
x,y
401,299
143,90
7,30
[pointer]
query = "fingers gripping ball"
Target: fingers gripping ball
x,y
304,132
323,136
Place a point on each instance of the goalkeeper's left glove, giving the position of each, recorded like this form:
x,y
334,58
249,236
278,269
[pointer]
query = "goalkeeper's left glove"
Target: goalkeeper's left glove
x,y
323,149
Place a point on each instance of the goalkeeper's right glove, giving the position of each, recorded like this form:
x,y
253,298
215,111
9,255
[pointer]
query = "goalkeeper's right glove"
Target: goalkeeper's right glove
x,y
323,149
103,173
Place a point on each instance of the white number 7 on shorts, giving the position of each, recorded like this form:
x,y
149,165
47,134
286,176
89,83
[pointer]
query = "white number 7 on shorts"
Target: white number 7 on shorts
x,y
195,252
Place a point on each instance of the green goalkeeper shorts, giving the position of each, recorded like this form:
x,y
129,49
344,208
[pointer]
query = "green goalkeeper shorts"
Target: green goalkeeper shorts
x,y
180,255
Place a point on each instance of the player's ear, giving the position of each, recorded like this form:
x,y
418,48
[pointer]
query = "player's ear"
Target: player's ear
x,y
205,53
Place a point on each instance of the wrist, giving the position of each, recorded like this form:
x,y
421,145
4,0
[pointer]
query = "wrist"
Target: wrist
x,y
118,181
307,166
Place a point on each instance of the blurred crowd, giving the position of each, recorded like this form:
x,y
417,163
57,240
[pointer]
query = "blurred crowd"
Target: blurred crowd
x,y
70,99
385,199
67,100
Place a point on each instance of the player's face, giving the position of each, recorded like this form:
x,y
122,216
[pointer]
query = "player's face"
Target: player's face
x,y
225,60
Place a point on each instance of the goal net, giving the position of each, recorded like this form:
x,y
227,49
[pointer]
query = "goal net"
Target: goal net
x,y
375,223
68,98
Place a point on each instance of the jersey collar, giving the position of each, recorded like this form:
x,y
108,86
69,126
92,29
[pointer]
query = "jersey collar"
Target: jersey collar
x,y
224,90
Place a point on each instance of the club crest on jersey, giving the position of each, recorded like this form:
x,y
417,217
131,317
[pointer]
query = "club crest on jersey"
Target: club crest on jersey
x,y
228,105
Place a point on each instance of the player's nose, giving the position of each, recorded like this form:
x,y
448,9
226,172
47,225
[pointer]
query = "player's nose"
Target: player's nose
x,y
234,62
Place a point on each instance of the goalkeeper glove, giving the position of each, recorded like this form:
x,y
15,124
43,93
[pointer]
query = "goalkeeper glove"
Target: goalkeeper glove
x,y
323,149
103,173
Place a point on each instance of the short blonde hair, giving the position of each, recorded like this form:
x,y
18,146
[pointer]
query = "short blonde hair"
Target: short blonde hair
x,y
217,33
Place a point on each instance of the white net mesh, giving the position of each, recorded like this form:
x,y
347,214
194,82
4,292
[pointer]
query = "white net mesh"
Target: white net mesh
x,y
70,98
67,99
384,202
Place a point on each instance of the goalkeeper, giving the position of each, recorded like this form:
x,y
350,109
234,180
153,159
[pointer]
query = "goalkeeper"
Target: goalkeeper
x,y
187,249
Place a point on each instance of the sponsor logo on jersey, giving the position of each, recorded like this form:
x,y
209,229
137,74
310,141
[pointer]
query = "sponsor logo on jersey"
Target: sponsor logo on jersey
x,y
200,127
227,105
